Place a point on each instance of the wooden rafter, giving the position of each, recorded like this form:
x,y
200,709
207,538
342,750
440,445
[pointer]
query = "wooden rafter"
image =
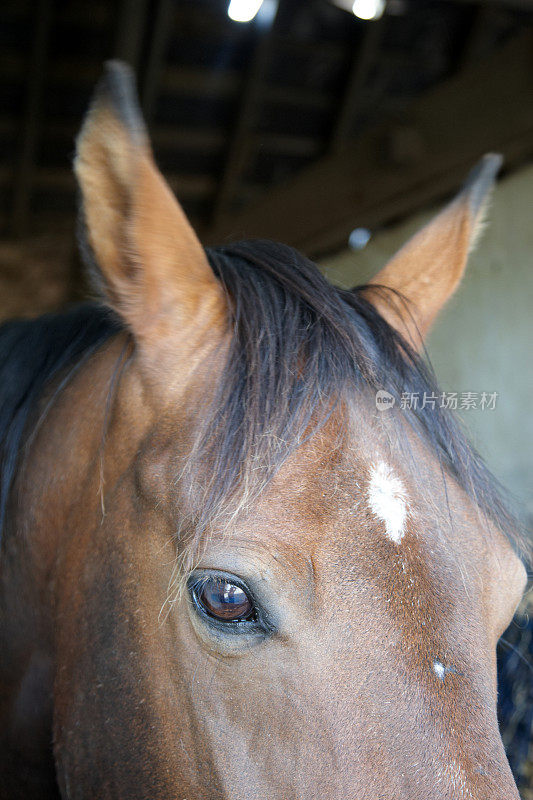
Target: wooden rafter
x,y
130,31
516,5
161,31
488,106
241,138
363,59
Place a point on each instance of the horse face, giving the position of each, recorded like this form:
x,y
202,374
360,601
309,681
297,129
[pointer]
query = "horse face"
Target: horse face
x,y
342,636
335,637
336,640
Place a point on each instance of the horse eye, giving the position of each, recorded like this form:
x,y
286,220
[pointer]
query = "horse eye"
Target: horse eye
x,y
223,600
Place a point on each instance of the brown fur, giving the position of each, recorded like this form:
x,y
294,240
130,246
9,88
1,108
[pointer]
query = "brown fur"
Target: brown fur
x,y
342,701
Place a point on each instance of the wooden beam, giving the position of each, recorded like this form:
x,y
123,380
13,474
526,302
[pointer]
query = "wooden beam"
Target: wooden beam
x,y
488,106
476,41
363,60
289,144
194,81
517,5
241,138
161,32
62,181
31,120
195,139
130,31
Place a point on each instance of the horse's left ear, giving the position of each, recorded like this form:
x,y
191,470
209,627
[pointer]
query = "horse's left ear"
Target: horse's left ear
x,y
427,270
149,264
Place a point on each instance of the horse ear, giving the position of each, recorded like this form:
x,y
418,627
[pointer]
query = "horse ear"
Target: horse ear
x,y
149,263
427,270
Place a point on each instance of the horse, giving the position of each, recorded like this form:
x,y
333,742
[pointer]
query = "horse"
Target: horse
x,y
228,572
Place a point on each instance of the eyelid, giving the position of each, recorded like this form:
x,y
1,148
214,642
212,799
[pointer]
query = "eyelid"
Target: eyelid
x,y
262,623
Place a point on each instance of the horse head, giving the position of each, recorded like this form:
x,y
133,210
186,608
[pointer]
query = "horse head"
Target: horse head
x,y
249,580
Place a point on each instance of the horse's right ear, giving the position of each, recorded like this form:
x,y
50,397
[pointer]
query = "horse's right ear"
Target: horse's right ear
x,y
427,270
149,263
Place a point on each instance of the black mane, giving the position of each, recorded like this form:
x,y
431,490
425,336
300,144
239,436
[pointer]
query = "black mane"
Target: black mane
x,y
298,342
32,352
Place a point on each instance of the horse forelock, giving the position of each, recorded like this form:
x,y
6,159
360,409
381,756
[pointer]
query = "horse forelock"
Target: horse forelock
x,y
300,349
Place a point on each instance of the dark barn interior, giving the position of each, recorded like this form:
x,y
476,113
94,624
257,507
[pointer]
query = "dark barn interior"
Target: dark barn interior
x,y
248,119
300,126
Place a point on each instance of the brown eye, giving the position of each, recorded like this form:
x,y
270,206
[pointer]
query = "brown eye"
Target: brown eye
x,y
224,600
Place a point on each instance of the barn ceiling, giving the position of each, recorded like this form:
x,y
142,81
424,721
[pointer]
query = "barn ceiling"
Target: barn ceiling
x,y
251,123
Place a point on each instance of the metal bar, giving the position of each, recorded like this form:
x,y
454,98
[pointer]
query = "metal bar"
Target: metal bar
x,y
31,120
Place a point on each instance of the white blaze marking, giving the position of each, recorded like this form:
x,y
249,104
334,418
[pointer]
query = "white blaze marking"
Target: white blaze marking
x,y
386,495
440,670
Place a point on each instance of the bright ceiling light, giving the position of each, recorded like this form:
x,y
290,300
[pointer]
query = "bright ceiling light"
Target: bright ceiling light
x,y
243,10
368,9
